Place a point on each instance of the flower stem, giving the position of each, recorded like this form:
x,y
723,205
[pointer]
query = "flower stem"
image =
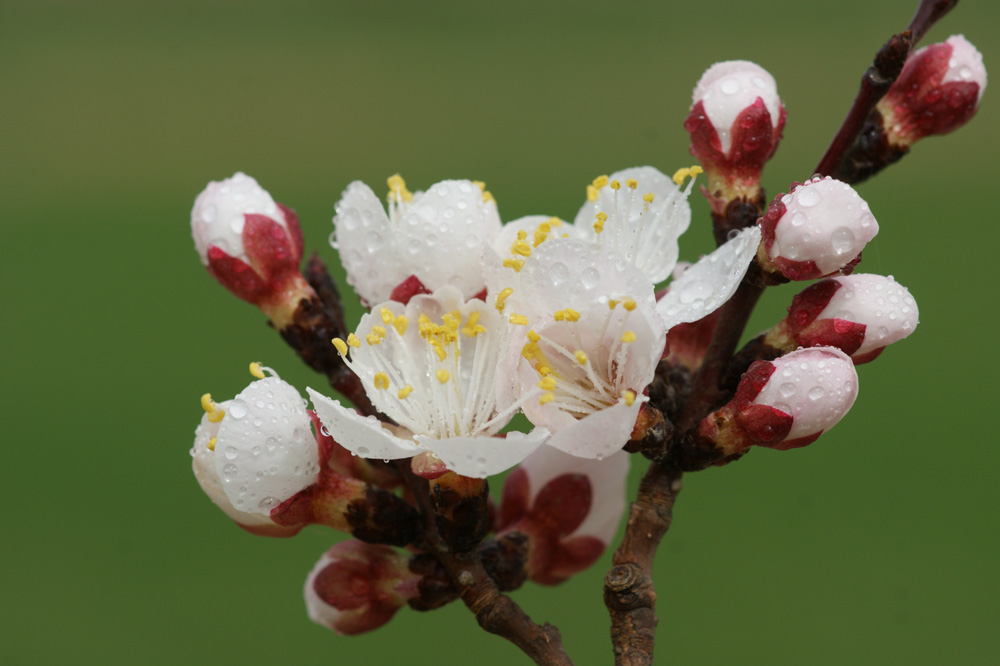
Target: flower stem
x,y
928,13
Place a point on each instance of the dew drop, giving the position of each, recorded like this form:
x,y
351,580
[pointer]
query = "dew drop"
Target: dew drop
x,y
373,241
798,219
229,471
787,389
208,214
267,503
807,196
590,277
237,409
363,451
731,86
231,452
816,393
842,240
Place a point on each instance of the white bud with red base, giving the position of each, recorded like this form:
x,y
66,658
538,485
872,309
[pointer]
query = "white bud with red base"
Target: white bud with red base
x,y
735,125
785,403
938,91
251,245
818,229
859,314
569,506
356,587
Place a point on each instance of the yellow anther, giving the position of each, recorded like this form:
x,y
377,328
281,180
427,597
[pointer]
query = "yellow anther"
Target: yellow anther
x,y
534,337
452,320
600,182
543,370
521,248
612,303
559,315
352,340
546,398
547,384
400,324
340,345
207,404
631,183
504,295
439,350
403,392
487,197
256,370
554,221
216,415
480,184
387,316
379,331
615,185
472,326
600,219
602,216
516,264
442,375
629,304
628,336
695,170
581,357
629,397
381,380
373,339
592,194
522,234
598,227
648,197
681,174
529,351
518,319
211,444
571,314
397,189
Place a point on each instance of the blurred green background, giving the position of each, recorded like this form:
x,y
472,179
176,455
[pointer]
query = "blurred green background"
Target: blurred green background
x,y
876,545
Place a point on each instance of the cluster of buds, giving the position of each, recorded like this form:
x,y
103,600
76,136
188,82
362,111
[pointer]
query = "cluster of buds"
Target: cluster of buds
x,y
471,321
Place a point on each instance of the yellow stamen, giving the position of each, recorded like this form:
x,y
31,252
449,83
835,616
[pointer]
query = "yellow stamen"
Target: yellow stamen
x,y
629,397
681,174
405,391
397,188
648,198
387,316
480,184
516,264
547,398
600,218
543,370
442,375
547,384
521,248
628,336
600,182
207,404
554,221
211,444
340,345
632,183
518,319
581,357
612,303
487,197
503,296
373,339
592,194
571,314
400,324
217,415
256,371
381,380
615,185
534,337
379,331
629,304
352,340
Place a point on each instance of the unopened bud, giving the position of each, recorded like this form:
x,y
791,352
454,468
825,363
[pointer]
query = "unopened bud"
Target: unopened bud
x,y
251,245
785,403
735,124
570,507
859,314
356,587
816,230
938,91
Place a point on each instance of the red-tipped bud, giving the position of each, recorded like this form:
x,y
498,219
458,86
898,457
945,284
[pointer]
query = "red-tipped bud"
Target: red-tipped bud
x,y
785,403
938,91
356,587
569,506
858,314
251,245
735,124
819,228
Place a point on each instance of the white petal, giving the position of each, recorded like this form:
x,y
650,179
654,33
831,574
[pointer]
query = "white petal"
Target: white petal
x,y
441,236
362,435
727,88
218,214
484,456
319,611
708,284
600,434
646,234
607,483
367,244
265,451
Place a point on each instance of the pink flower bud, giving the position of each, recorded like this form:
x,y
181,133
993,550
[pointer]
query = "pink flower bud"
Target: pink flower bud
x,y
938,91
735,123
816,230
858,314
249,243
356,587
569,506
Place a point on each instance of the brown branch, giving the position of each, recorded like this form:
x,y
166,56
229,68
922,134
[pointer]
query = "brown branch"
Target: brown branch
x,y
495,612
628,587
875,83
928,13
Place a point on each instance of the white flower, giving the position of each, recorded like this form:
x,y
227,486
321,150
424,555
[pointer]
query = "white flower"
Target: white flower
x,y
436,236
431,366
590,344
